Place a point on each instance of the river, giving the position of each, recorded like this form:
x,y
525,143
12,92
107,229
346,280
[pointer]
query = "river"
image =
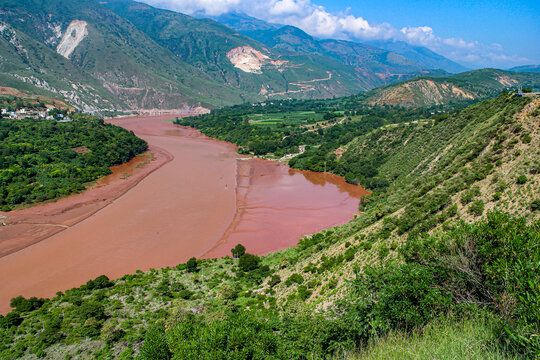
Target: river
x,y
198,197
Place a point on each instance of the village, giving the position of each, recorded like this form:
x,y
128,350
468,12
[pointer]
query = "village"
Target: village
x,y
23,113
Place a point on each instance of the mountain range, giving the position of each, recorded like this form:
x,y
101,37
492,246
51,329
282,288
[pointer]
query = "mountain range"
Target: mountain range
x,y
121,55
381,57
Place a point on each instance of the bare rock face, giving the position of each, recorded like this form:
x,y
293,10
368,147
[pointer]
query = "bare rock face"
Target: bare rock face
x,y
247,59
75,33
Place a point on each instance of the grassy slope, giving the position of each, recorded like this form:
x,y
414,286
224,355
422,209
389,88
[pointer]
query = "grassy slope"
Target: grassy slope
x,y
448,338
433,166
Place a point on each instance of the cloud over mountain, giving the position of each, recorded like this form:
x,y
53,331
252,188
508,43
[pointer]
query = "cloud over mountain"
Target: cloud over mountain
x,y
317,21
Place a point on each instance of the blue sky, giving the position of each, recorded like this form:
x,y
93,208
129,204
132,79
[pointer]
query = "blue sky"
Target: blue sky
x,y
475,33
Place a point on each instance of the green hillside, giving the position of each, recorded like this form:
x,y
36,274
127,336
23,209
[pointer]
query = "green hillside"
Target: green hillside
x,y
131,66
526,68
22,67
447,248
123,55
205,44
460,88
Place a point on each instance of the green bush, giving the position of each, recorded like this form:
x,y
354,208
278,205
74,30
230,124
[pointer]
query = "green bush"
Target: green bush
x,y
23,305
191,265
522,179
477,208
91,309
274,280
492,263
11,319
304,293
155,346
238,250
101,282
248,262
294,278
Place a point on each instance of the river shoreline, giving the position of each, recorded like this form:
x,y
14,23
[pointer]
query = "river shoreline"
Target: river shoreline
x,y
197,198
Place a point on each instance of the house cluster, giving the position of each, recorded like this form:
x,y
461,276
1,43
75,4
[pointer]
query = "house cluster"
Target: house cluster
x,y
34,114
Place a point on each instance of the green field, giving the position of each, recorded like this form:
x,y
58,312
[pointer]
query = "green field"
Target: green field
x,y
293,118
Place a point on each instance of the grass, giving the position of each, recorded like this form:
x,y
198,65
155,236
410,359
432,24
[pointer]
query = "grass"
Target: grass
x,y
292,118
448,338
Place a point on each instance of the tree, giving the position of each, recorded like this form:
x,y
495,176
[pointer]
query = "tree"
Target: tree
x,y
191,265
238,251
248,262
101,282
155,345
23,305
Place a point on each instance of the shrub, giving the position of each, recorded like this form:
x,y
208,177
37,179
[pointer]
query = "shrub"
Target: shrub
x,y
522,179
304,293
350,253
383,252
191,265
11,319
274,280
91,309
101,282
294,278
394,297
185,294
476,208
526,139
491,263
23,305
155,345
535,205
248,262
227,292
111,333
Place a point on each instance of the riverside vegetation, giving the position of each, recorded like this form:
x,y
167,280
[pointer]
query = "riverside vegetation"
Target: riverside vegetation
x,y
447,247
46,159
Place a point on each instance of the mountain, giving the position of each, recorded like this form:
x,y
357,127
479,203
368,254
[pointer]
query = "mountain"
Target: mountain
x,y
239,61
122,55
110,51
526,68
242,22
421,55
382,58
27,64
464,87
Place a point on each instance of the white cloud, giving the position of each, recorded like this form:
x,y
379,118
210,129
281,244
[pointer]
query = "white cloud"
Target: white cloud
x,y
287,7
317,21
421,35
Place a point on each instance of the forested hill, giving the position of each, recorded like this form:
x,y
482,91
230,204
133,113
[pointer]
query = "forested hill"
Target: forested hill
x,y
442,263
47,159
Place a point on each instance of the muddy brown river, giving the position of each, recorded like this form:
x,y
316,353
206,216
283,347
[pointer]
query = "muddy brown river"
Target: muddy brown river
x,y
197,197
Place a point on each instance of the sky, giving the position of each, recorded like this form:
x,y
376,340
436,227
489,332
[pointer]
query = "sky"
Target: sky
x,y
476,34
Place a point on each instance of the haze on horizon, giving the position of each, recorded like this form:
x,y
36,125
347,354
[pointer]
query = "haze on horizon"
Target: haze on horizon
x,y
477,34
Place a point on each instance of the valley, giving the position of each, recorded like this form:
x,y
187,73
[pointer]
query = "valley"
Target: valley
x,y
283,180
196,197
